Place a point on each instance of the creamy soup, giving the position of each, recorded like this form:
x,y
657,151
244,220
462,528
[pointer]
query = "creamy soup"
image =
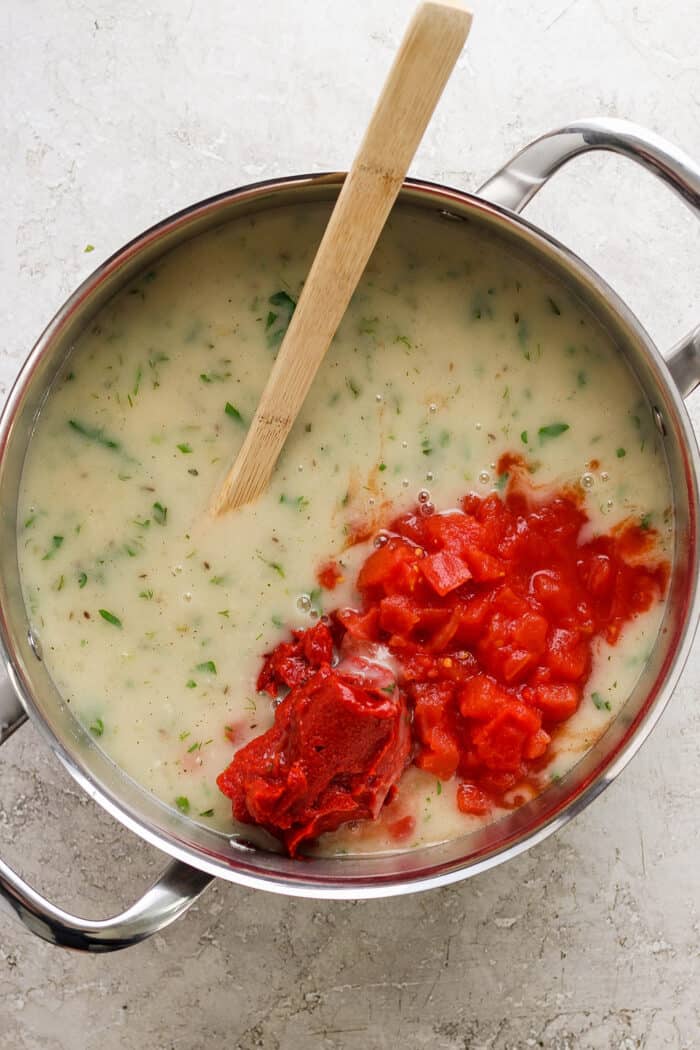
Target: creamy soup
x,y
153,618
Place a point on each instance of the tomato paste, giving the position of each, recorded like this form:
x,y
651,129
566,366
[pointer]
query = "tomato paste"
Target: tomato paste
x,y
489,613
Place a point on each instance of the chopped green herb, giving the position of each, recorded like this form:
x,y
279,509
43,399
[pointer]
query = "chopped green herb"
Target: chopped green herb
x,y
207,813
95,434
110,617
600,702
353,387
59,583
621,453
275,565
277,621
183,803
283,299
438,787
185,448
298,502
552,430
426,447
233,412
645,521
89,248
502,481
194,747
82,580
160,513
275,332
190,684
217,580
208,667
147,595
97,727
382,467
523,437
390,689
553,306
185,734
29,521
56,542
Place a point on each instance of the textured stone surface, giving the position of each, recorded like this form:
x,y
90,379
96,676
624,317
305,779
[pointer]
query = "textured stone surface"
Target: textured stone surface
x,y
115,113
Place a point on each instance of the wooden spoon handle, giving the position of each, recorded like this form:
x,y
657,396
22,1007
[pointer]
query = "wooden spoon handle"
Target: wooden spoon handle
x,y
428,52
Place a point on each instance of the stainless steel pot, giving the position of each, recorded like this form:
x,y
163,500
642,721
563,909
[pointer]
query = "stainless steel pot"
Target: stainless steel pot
x,y
200,853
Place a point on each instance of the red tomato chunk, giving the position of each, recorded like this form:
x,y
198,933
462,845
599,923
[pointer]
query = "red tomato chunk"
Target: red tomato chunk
x,y
490,614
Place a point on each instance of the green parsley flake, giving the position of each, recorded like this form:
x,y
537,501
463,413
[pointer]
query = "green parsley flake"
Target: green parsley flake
x,y
183,803
110,617
552,430
233,412
56,542
95,434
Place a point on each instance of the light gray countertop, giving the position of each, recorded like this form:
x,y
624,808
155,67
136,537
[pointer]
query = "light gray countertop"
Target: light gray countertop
x,y
115,114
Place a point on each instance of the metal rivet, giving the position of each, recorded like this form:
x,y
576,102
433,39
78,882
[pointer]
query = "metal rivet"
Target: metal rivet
x,y
659,421
35,644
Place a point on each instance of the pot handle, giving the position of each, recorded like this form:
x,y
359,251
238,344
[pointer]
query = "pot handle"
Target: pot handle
x,y
177,888
519,180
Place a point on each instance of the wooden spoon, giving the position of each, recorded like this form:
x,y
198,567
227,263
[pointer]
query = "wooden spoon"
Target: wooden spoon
x,y
428,52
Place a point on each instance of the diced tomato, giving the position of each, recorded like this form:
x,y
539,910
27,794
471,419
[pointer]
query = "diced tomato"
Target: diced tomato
x,y
329,575
402,829
389,568
452,532
445,572
485,568
500,743
472,800
557,701
568,655
481,697
363,626
473,615
398,614
433,720
537,744
598,574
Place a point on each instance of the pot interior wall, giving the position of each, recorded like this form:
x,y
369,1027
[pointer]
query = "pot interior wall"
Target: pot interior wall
x,y
233,858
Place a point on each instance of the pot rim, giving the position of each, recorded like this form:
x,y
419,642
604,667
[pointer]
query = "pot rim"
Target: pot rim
x,y
301,881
